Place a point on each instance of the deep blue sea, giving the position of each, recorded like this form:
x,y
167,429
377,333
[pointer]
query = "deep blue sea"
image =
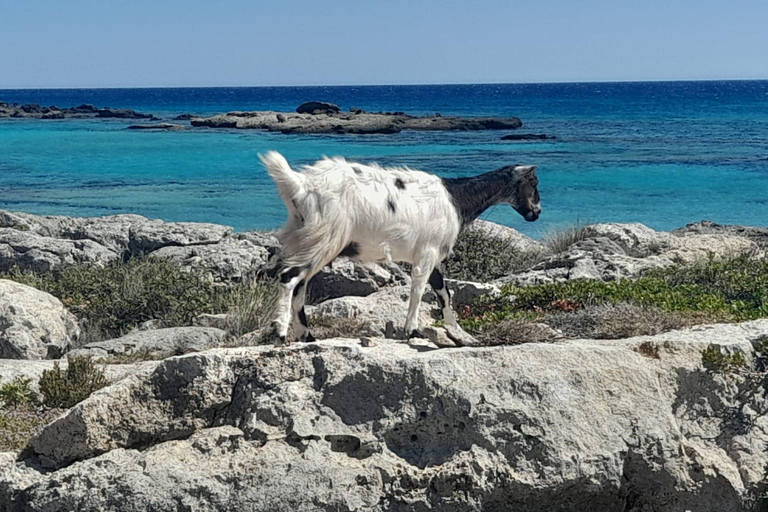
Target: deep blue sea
x,y
661,153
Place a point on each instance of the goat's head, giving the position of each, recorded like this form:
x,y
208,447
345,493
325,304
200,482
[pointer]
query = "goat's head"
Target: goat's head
x,y
523,191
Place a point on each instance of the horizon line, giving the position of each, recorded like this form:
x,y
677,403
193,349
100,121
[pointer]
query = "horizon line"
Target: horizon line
x,y
564,82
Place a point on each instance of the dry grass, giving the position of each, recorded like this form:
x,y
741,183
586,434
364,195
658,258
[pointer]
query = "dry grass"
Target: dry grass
x,y
326,327
18,426
514,332
560,240
622,320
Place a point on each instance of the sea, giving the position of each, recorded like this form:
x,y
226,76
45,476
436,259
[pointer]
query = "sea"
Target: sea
x,y
660,153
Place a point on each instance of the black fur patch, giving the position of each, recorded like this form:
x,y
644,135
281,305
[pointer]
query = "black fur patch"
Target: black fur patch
x,y
436,280
285,277
399,184
352,250
298,288
391,206
303,318
357,169
440,301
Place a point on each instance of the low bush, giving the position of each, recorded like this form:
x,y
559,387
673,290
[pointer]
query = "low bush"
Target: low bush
x,y
249,306
18,426
481,256
17,393
514,332
65,388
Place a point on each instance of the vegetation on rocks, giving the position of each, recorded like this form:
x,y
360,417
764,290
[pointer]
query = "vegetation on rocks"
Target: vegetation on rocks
x,y
65,388
113,299
710,291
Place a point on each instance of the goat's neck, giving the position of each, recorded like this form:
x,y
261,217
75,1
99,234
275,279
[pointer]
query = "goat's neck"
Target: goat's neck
x,y
472,196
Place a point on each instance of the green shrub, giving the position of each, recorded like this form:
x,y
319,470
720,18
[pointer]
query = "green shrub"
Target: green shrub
x,y
17,393
111,300
481,256
64,389
18,426
715,360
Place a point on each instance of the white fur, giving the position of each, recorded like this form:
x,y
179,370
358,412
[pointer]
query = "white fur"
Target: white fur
x,y
334,203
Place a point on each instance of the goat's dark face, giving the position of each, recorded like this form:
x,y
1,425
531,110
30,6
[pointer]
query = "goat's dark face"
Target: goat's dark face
x,y
524,192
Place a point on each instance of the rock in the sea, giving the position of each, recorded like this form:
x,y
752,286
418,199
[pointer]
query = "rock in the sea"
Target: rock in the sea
x,y
38,112
343,278
527,136
154,343
317,107
157,126
33,324
707,227
358,122
336,425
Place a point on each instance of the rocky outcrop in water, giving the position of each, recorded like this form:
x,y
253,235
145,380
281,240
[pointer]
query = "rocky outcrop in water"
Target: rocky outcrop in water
x,y
633,425
35,111
527,136
328,120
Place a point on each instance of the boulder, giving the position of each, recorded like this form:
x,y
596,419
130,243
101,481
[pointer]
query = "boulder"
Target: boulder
x,y
505,235
385,310
157,126
28,250
382,426
343,278
317,107
707,227
154,343
33,324
527,136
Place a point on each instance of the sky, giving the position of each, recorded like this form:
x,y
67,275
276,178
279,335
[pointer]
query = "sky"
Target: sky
x,y
173,43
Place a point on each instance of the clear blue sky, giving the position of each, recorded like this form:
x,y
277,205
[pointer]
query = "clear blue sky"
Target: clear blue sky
x,y
130,43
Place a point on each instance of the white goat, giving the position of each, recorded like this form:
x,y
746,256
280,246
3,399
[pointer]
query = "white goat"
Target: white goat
x,y
369,213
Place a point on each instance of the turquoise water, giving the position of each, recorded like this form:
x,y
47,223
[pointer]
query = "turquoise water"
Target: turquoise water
x,y
664,154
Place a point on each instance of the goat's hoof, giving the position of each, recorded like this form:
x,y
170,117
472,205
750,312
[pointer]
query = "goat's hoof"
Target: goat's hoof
x,y
416,334
307,338
273,337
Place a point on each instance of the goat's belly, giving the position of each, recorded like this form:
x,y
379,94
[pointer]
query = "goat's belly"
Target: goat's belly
x,y
382,251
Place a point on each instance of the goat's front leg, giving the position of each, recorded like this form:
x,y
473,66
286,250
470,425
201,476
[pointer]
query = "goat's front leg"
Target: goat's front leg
x,y
290,279
421,271
437,283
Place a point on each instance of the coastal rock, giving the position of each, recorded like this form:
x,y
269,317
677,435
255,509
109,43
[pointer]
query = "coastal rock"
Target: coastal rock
x,y
527,136
341,425
505,235
27,250
358,122
149,236
344,277
609,252
384,310
154,344
466,292
707,227
158,126
33,324
36,111
10,369
232,259
317,107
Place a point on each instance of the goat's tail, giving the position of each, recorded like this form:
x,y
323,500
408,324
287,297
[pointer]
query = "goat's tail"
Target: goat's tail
x,y
290,184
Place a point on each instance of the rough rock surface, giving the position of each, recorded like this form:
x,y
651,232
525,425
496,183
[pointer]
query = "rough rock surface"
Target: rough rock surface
x,y
609,252
42,242
35,111
328,121
337,426
343,278
154,343
385,310
707,227
505,234
317,107
33,324
527,136
33,369
157,126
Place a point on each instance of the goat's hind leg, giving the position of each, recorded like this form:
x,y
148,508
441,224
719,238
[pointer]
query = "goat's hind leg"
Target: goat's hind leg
x,y
299,323
419,275
437,282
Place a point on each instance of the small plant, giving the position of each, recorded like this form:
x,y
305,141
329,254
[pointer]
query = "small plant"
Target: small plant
x,y
514,332
559,241
17,393
328,327
648,349
249,306
715,360
64,389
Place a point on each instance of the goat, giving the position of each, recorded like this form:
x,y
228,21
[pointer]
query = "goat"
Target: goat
x,y
369,213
